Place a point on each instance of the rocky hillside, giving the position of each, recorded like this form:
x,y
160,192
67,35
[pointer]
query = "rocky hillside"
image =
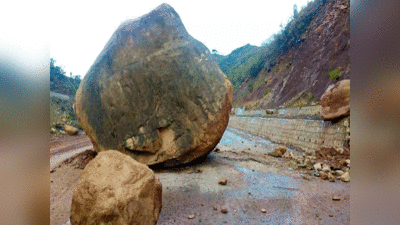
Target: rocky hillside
x,y
295,68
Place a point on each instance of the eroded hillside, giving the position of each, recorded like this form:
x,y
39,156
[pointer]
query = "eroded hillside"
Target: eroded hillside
x,y
308,62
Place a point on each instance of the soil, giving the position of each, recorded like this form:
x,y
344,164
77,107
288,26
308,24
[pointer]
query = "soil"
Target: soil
x,y
255,181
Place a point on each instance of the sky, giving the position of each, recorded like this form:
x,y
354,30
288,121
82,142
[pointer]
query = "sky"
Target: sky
x,y
80,29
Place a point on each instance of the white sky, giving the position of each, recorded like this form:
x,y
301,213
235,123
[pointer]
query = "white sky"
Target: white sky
x,y
80,29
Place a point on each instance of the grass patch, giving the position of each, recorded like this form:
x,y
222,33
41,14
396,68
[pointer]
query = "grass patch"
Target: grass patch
x,y
334,74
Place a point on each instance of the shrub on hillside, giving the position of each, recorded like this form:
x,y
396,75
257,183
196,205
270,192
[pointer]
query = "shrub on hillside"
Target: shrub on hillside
x,y
334,74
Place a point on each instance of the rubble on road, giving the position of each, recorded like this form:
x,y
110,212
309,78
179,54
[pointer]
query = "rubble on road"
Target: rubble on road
x,y
222,181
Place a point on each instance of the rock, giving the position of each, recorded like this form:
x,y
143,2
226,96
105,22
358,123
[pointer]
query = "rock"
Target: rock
x,y
70,129
279,151
224,209
348,161
343,162
115,189
336,166
317,166
323,175
326,169
263,210
336,198
331,178
222,181
345,177
340,151
339,172
335,102
155,93
288,155
215,208
269,111
191,216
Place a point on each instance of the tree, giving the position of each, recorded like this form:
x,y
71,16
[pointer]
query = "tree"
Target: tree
x,y
56,72
295,12
214,51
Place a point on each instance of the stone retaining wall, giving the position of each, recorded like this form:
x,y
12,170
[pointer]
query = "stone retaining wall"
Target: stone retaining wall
x,y
294,111
304,134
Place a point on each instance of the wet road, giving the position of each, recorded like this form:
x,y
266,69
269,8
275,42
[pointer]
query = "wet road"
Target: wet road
x,y
252,186
255,181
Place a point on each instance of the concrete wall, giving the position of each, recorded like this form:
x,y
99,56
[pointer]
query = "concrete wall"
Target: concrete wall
x,y
307,135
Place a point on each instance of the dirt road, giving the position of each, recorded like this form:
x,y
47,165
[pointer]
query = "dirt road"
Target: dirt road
x,y
255,181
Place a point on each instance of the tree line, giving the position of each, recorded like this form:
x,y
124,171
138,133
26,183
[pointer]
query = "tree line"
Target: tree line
x,y
60,82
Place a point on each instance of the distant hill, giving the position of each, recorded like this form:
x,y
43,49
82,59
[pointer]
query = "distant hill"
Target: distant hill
x,y
238,63
295,66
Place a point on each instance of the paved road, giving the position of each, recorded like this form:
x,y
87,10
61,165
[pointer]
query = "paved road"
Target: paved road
x,y
252,186
70,146
255,182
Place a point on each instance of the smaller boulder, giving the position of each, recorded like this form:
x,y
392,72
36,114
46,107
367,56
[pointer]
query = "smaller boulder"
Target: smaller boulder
x,y
70,129
279,151
115,189
339,173
223,181
269,111
331,178
326,169
288,155
263,210
345,177
323,175
317,166
335,102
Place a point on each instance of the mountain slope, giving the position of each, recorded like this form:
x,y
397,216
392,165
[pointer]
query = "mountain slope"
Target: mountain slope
x,y
238,63
301,63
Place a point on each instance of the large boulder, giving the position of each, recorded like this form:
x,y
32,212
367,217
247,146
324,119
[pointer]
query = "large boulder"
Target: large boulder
x,y
335,102
155,93
115,189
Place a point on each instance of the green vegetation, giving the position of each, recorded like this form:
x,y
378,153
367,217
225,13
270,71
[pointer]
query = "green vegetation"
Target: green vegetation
x,y
250,87
61,111
334,74
60,83
310,97
237,65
